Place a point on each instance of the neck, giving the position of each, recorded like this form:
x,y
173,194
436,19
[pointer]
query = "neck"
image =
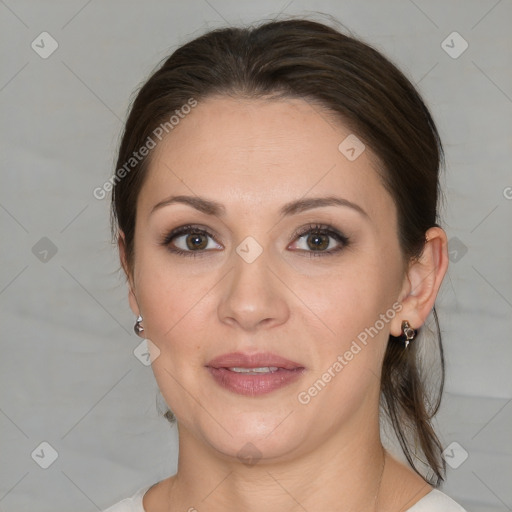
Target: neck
x,y
346,471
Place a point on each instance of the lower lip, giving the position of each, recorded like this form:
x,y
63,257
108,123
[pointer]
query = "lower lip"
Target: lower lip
x,y
253,385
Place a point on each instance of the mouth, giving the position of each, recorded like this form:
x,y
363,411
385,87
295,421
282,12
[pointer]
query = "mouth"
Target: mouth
x,y
254,371
253,374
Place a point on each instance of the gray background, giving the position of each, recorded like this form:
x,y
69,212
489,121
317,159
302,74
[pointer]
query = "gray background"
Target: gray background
x,y
68,373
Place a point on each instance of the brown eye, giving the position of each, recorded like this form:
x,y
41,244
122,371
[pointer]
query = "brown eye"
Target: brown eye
x,y
317,241
189,240
196,241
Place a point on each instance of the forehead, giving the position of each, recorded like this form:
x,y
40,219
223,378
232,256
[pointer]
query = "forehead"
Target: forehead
x,y
257,151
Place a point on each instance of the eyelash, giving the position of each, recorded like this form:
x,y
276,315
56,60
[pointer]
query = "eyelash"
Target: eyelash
x,y
186,230
320,229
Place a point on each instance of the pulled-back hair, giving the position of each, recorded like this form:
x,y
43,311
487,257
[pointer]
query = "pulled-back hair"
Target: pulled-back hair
x,y
299,58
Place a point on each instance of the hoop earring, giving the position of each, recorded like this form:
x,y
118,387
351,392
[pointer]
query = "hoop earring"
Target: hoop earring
x,y
408,332
138,327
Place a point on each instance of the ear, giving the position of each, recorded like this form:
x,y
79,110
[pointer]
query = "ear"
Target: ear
x,y
422,281
129,274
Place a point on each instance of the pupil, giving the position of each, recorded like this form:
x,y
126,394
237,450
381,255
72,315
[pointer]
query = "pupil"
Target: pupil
x,y
197,241
318,242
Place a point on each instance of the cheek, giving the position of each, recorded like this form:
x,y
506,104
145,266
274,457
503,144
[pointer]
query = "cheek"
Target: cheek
x,y
349,328
174,306
347,300
179,310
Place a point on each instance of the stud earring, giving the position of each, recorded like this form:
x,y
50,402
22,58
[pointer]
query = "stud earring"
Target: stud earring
x,y
408,332
138,327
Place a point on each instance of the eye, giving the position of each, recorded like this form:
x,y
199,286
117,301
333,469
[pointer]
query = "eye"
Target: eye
x,y
190,239
322,240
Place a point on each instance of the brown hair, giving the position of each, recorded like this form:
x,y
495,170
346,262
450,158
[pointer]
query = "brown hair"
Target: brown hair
x,y
300,58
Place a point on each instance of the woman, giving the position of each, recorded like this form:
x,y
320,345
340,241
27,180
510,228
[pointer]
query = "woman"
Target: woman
x,y
275,205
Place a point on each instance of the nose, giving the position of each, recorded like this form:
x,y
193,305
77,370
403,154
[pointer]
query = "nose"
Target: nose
x,y
253,297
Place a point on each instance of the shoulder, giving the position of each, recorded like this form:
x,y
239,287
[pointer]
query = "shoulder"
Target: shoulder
x,y
436,501
131,504
405,487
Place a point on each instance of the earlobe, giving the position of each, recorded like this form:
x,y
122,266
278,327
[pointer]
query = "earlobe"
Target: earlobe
x,y
422,282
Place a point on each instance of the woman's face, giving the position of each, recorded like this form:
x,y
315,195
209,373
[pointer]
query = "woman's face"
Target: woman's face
x,y
291,252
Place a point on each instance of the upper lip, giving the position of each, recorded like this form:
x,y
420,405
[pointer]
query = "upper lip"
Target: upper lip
x,y
260,360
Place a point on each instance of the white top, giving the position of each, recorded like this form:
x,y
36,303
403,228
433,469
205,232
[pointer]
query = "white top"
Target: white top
x,y
434,501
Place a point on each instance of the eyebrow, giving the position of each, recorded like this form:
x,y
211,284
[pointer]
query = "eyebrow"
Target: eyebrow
x,y
206,206
210,207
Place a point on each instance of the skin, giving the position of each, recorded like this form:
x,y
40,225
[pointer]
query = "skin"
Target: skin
x,y
253,156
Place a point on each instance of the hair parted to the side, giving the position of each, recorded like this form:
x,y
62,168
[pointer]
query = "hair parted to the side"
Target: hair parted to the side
x,y
299,58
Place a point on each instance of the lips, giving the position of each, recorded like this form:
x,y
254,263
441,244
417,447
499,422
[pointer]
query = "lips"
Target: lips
x,y
253,374
261,360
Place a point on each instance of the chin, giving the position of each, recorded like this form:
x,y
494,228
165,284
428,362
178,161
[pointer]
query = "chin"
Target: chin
x,y
251,436
250,449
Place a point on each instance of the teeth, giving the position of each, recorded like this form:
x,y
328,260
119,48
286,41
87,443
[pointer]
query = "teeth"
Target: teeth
x,y
264,369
